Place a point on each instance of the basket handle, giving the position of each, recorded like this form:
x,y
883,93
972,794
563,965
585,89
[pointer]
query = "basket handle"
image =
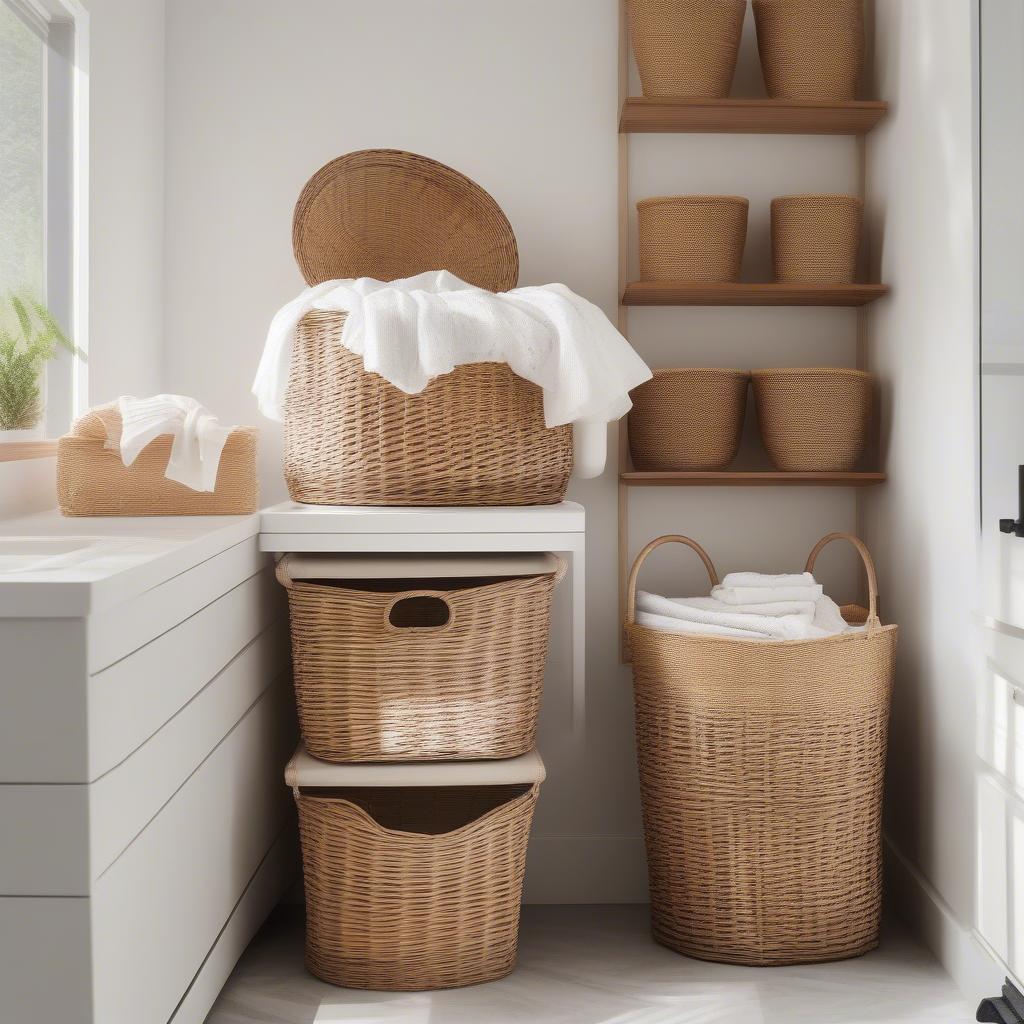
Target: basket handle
x,y
672,538
869,568
410,595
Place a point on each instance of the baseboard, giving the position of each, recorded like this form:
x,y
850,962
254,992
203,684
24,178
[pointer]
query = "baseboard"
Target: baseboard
x,y
272,878
975,967
586,869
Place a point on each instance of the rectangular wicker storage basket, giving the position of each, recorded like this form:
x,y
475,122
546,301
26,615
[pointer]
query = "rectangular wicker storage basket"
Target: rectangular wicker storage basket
x,y
761,774
419,658
413,873
93,481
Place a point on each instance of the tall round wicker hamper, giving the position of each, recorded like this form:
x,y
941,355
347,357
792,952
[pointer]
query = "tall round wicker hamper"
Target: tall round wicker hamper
x,y
761,771
473,437
419,657
413,873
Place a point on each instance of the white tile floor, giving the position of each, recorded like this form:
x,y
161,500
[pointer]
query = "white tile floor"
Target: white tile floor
x,y
598,965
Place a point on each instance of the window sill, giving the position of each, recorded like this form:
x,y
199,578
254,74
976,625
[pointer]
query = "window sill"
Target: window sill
x,y
17,451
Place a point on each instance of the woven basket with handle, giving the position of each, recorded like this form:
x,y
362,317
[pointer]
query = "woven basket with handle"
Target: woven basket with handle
x,y
688,419
761,773
691,238
473,437
810,49
815,238
396,670
815,418
686,47
93,481
413,889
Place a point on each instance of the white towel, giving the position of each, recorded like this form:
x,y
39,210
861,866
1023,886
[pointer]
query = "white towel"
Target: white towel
x,y
759,579
198,436
415,329
766,595
672,625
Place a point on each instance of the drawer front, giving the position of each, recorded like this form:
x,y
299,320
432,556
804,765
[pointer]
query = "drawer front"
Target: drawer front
x,y
158,909
131,700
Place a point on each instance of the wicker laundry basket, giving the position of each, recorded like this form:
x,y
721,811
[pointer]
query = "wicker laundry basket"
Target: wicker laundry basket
x,y
419,658
691,238
816,238
413,873
93,481
810,49
686,47
473,437
761,772
814,419
688,419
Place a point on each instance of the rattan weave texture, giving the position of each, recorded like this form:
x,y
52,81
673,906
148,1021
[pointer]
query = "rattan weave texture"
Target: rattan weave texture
x,y
815,238
691,238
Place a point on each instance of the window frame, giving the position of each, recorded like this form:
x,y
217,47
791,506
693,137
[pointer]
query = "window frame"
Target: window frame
x,y
63,26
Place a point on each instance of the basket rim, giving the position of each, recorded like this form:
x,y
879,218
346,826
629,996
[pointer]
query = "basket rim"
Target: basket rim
x,y
694,200
810,371
702,371
704,638
825,197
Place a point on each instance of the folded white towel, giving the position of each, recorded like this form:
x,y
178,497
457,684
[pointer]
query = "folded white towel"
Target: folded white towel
x,y
415,329
805,608
198,436
759,579
766,595
672,625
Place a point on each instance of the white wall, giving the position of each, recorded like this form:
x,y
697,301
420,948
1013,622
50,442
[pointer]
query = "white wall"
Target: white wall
x,y
923,525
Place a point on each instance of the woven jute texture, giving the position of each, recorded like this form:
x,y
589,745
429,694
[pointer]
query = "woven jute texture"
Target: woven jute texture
x,y
814,419
761,775
385,213
420,671
815,239
473,437
810,49
92,480
686,47
413,889
691,238
688,419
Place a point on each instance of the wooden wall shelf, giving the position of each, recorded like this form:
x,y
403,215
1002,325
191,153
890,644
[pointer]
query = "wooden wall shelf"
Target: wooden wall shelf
x,y
699,293
760,478
746,116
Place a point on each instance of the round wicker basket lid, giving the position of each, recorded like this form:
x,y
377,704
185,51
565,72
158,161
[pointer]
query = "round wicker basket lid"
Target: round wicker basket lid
x,y
384,213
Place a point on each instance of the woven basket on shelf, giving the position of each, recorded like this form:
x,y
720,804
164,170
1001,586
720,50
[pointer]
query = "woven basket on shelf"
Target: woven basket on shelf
x,y
761,774
93,481
815,238
419,670
810,49
413,889
814,419
686,47
473,437
688,419
691,238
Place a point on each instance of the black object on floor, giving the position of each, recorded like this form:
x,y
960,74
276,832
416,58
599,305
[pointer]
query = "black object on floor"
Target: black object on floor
x,y
1005,1009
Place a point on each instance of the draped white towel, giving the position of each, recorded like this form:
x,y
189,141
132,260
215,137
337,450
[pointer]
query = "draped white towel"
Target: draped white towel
x,y
198,435
415,329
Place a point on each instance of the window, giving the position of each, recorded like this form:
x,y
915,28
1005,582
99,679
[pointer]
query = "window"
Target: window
x,y
43,132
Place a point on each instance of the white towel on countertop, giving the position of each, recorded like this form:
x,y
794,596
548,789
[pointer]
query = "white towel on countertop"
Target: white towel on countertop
x,y
198,435
415,329
766,595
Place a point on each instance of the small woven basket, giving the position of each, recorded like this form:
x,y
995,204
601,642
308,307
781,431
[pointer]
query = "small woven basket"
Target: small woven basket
x,y
415,888
815,239
688,419
810,49
691,238
761,773
93,481
686,47
392,670
473,437
814,419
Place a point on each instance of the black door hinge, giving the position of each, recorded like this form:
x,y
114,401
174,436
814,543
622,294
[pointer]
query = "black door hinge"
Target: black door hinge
x,y
1016,526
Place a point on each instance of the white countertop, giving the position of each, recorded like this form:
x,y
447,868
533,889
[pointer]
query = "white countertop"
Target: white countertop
x,y
52,566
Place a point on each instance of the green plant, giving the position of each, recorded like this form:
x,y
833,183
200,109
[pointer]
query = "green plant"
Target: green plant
x,y
29,340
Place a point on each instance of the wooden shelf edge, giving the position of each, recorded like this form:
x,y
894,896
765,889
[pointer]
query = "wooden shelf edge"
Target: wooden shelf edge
x,y
750,116
16,451
760,478
691,293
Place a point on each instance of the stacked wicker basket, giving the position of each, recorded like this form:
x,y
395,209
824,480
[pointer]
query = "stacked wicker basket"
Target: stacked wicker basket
x,y
418,678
